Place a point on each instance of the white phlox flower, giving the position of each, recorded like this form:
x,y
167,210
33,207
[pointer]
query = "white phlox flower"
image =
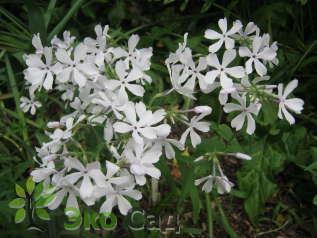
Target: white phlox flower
x,y
225,37
293,104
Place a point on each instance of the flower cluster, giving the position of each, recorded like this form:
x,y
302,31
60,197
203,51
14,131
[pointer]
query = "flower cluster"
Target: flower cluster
x,y
239,74
102,84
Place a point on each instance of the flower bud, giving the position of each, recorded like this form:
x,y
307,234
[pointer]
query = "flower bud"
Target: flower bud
x,y
202,109
243,156
54,124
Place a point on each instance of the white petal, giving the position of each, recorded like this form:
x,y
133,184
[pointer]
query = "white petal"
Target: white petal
x,y
238,121
259,67
136,89
86,187
290,87
229,43
124,205
230,107
122,127
216,46
148,132
237,71
222,23
79,78
212,35
244,52
251,124
153,172
194,137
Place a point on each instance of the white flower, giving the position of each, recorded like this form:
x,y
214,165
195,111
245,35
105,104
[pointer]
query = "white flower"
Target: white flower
x,y
39,73
141,122
179,75
125,81
293,104
76,69
258,53
248,31
63,44
91,172
195,123
222,70
226,36
65,189
246,112
29,104
98,47
193,70
176,57
37,43
139,58
141,162
44,172
222,182
116,197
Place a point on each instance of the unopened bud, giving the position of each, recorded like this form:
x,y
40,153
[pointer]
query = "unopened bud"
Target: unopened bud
x,y
202,109
242,156
54,124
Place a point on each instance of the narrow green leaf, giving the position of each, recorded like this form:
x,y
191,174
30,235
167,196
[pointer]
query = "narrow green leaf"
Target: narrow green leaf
x,y
17,203
42,214
66,18
19,191
38,191
16,94
45,200
19,215
30,185
36,19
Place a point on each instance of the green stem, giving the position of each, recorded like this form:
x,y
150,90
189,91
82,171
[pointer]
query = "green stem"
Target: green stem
x,y
209,215
15,115
187,103
66,18
225,222
304,56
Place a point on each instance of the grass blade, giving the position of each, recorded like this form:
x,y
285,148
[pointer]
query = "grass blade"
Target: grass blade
x,y
64,21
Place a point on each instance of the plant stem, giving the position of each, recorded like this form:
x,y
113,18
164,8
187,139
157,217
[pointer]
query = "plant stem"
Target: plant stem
x,y
224,221
304,56
209,215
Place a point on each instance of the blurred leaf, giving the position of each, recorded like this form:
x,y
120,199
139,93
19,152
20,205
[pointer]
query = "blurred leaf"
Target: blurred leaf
x,y
42,214
19,215
30,185
17,203
19,191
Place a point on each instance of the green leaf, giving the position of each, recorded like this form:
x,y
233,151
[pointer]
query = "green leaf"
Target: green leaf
x,y
42,214
223,130
17,203
19,215
36,19
19,191
38,191
45,200
30,185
